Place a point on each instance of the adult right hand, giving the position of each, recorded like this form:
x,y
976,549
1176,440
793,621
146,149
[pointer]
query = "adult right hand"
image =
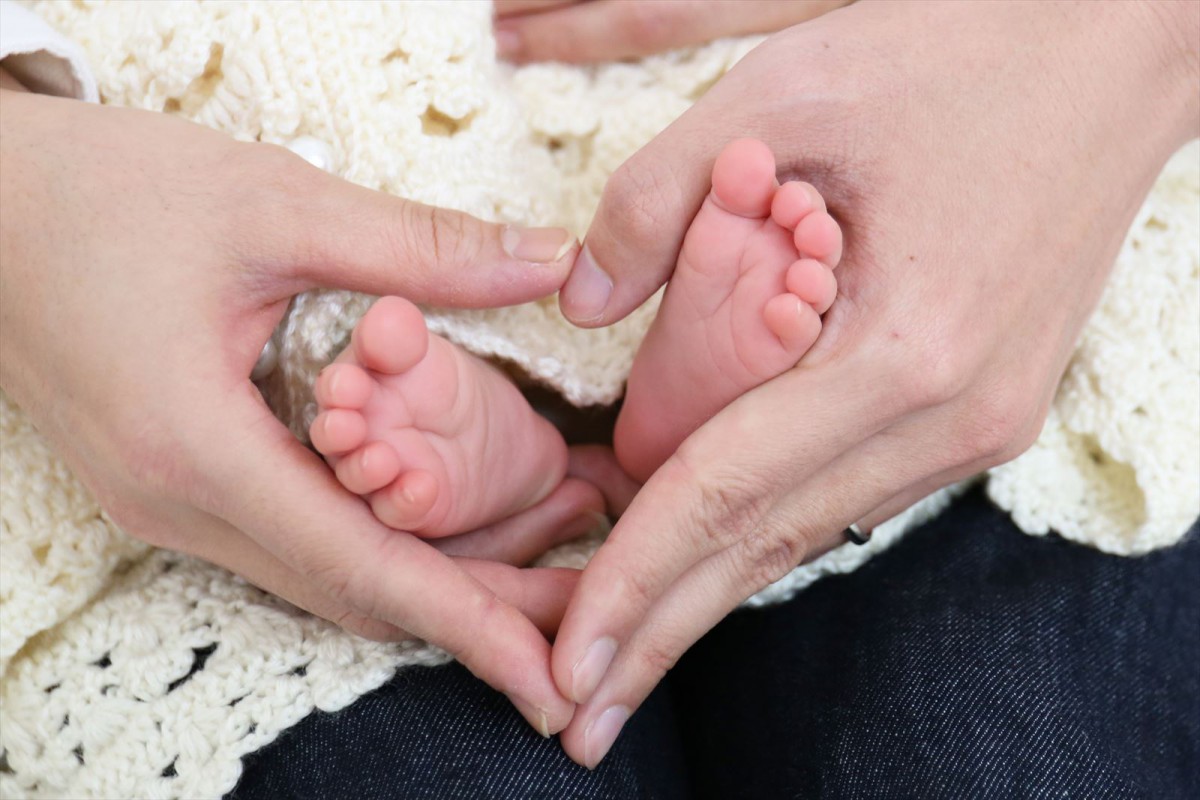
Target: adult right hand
x,y
985,161
145,261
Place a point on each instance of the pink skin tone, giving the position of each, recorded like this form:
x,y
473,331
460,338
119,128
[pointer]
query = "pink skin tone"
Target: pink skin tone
x,y
439,442
744,304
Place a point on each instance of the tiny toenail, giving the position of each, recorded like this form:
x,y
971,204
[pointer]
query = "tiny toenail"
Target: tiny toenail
x,y
586,293
536,245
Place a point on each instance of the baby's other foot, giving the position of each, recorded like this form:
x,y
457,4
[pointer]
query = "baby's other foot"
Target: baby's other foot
x,y
754,276
436,440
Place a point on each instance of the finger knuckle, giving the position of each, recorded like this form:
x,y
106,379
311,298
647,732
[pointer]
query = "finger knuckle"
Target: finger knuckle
x,y
638,588
656,659
933,372
766,556
733,511
728,506
440,235
349,583
1002,423
487,613
338,580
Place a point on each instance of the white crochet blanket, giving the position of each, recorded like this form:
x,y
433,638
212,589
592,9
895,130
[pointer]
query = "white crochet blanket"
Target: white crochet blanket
x,y
127,672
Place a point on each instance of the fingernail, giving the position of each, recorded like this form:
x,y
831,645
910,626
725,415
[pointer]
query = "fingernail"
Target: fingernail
x,y
600,735
536,245
533,715
585,294
588,670
508,43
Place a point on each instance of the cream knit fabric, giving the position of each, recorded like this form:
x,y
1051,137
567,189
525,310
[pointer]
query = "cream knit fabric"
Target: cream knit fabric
x,y
127,672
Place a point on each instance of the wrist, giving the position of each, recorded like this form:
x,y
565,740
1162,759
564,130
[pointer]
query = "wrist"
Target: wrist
x,y
1185,25
1127,97
1166,36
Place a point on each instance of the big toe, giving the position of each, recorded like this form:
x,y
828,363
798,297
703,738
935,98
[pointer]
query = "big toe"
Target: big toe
x,y
743,179
391,337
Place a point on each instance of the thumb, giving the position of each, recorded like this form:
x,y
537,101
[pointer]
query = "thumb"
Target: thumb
x,y
644,212
345,236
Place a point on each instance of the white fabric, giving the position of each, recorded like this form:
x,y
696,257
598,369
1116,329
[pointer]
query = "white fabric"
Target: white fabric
x,y
42,59
97,632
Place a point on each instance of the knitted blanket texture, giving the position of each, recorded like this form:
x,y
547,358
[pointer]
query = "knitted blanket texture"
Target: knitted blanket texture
x,y
132,672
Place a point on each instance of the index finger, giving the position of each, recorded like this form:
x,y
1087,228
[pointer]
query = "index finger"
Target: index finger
x,y
704,501
291,504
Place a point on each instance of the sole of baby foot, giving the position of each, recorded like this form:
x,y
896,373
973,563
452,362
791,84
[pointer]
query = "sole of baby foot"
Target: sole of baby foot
x,y
437,441
744,304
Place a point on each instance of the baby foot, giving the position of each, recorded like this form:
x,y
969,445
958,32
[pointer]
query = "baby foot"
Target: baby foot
x,y
754,276
437,441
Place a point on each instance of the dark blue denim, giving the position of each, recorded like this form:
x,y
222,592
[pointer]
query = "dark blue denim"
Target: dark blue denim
x,y
969,661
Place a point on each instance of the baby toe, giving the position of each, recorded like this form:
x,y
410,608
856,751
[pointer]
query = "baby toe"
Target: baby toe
x,y
343,386
337,431
812,282
743,178
369,468
794,201
391,337
794,322
819,236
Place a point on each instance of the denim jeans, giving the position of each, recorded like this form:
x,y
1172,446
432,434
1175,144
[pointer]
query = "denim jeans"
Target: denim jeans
x,y
971,660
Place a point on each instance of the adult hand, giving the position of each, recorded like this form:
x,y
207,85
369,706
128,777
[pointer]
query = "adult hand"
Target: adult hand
x,y
145,261
985,162
581,31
